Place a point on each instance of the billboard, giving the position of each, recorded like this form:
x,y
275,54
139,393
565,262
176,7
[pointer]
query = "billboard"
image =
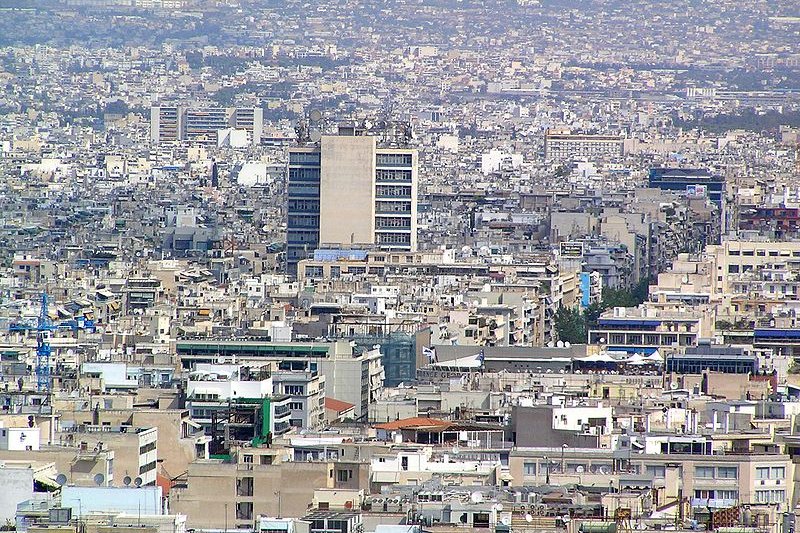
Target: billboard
x,y
571,249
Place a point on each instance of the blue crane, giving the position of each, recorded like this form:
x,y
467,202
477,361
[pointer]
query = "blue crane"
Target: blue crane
x,y
43,327
43,350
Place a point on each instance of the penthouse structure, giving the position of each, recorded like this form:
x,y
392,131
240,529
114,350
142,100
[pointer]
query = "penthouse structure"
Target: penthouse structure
x,y
346,190
202,124
561,144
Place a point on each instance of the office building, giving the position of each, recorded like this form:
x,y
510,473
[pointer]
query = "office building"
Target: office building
x,y
203,124
694,182
561,144
348,191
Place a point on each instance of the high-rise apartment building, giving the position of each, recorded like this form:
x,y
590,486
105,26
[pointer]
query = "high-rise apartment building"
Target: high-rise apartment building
x,y
201,124
348,191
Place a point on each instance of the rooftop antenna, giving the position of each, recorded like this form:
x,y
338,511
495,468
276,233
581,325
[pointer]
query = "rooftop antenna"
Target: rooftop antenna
x,y
314,124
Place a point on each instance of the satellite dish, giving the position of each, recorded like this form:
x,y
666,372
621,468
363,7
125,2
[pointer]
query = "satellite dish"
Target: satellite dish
x,y
315,115
126,480
506,520
567,344
565,519
99,479
528,517
560,344
673,385
579,469
498,507
455,450
61,479
138,481
314,135
476,497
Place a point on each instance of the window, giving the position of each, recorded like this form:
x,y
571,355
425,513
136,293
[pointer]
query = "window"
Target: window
x,y
384,174
244,486
394,238
244,510
656,471
148,467
303,174
296,205
342,476
293,390
393,222
727,472
299,158
248,458
149,447
393,191
529,469
393,160
303,190
314,271
393,207
705,472
303,221
770,496
770,472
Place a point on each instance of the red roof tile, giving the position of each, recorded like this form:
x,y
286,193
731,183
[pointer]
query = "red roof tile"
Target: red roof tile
x,y
337,405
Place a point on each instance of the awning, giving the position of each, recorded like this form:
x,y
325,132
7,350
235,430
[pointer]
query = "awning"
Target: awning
x,y
49,483
385,477
471,361
191,423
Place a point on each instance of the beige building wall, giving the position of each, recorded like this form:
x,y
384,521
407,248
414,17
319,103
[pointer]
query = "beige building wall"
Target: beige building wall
x,y
79,467
680,471
217,493
734,258
347,190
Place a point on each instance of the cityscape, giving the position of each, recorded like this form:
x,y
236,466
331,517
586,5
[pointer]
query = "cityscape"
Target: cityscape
x,y
399,266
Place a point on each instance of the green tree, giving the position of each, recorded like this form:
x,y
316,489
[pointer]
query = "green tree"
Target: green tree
x,y
570,325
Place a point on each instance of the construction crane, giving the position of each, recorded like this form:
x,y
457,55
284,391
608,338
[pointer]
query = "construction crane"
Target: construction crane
x,y
43,329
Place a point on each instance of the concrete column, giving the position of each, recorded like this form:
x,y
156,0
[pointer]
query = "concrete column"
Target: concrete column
x,y
714,420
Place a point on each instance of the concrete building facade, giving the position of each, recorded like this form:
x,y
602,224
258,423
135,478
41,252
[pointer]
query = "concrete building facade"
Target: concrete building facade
x,y
348,191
